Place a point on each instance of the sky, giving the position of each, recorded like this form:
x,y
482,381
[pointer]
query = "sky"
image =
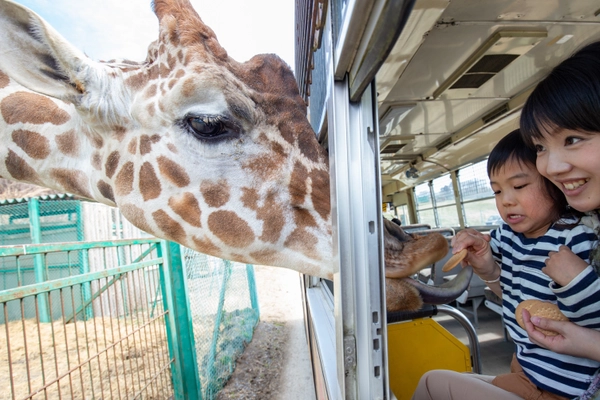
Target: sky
x,y
113,29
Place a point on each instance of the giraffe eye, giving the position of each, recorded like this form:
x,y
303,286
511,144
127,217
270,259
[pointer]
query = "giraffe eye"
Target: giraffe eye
x,y
206,127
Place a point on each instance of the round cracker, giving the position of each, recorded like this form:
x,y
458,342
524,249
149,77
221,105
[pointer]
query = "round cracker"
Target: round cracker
x,y
454,260
542,309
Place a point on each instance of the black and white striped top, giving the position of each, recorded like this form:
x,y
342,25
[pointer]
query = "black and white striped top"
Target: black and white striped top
x,y
522,259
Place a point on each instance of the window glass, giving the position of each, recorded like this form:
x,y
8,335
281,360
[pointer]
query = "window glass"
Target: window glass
x,y
423,196
474,183
448,216
481,212
443,191
426,217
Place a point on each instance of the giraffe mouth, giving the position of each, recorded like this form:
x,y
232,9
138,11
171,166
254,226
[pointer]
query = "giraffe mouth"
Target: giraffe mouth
x,y
405,255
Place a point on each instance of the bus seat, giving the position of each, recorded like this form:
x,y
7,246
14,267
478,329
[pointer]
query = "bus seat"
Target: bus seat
x,y
417,344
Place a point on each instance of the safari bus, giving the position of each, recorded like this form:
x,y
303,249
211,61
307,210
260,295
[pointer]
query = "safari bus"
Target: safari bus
x,y
409,97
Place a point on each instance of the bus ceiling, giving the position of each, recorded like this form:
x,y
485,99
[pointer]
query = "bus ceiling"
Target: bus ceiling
x,y
451,76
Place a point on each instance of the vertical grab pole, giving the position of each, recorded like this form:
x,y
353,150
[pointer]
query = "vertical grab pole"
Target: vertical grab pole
x,y
41,274
180,334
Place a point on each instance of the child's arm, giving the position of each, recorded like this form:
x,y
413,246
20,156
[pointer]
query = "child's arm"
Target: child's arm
x,y
479,256
576,286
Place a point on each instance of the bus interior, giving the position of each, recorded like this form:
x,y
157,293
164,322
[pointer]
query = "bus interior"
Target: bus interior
x,y
409,97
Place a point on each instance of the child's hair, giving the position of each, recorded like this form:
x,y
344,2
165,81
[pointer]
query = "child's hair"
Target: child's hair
x,y
512,147
568,98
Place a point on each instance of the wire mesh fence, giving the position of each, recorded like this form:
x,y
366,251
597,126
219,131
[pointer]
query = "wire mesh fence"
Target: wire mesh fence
x,y
107,319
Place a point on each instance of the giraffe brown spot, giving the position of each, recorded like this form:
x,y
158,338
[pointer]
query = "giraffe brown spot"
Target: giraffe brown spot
x,y
278,149
68,143
106,191
137,81
132,146
172,83
124,179
172,148
320,192
298,185
263,166
120,132
171,61
216,194
136,216
4,80
273,219
111,164
31,108
307,143
169,226
146,143
180,72
250,198
205,246
266,257
173,171
303,242
72,181
231,229
19,169
187,207
189,87
32,143
151,91
303,218
149,183
96,161
153,72
151,109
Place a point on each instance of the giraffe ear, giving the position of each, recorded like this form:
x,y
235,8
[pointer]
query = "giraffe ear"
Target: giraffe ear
x,y
38,57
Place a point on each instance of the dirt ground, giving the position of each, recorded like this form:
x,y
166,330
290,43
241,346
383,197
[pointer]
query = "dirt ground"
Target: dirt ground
x,y
275,365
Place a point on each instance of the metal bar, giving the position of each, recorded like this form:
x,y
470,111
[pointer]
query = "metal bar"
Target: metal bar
x,y
41,275
215,336
71,370
94,296
40,288
252,289
18,250
186,382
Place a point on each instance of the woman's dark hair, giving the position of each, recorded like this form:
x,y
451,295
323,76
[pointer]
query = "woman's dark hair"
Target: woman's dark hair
x,y
568,98
512,147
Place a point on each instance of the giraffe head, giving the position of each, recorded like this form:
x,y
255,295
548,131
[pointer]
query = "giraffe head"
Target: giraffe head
x,y
191,145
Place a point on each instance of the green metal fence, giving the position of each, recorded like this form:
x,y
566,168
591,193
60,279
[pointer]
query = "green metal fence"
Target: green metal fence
x,y
120,318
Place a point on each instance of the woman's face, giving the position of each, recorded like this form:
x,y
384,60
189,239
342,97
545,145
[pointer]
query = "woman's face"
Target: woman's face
x,y
571,160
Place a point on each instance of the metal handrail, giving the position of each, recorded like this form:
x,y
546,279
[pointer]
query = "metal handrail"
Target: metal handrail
x,y
471,333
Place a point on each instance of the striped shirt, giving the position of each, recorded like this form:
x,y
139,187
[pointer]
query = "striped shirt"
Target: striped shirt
x,y
521,279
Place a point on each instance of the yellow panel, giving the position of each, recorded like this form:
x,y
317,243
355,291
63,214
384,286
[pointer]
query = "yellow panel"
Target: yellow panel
x,y
418,346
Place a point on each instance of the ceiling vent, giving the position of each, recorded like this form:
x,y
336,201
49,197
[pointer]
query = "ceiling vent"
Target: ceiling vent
x,y
493,56
495,113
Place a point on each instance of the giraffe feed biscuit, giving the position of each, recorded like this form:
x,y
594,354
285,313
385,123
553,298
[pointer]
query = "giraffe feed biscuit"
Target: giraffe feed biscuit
x,y
541,309
454,260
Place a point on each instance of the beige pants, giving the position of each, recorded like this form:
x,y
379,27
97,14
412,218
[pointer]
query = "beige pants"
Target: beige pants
x,y
451,385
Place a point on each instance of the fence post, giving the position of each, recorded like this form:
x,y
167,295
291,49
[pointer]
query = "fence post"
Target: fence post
x,y
41,274
252,289
180,335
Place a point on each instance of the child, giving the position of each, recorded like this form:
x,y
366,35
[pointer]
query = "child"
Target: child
x,y
510,261
561,119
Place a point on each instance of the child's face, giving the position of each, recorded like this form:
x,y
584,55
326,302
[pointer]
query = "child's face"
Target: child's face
x,y
571,160
521,199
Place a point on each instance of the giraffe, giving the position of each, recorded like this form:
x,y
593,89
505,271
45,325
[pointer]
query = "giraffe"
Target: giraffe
x,y
191,145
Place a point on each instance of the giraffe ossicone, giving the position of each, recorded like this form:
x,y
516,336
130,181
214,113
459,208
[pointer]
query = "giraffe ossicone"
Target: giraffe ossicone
x,y
191,145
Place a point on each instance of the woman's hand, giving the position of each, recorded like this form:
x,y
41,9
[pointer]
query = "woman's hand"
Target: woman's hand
x,y
563,265
572,339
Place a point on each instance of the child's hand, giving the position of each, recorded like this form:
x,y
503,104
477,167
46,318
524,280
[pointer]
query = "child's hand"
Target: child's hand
x,y
563,266
479,252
